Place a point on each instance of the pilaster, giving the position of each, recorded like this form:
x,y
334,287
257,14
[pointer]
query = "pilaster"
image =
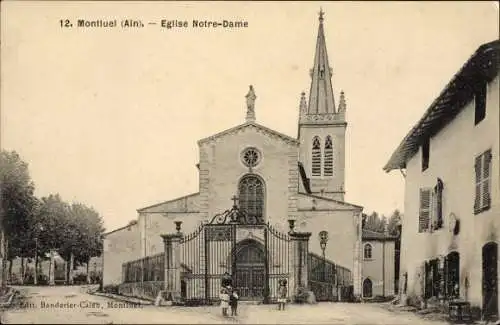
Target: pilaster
x,y
299,271
172,266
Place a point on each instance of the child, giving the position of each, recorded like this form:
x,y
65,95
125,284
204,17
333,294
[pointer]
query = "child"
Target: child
x,y
282,295
224,301
233,301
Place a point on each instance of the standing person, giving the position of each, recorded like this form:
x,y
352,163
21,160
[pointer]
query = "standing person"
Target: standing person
x,y
233,302
224,301
282,295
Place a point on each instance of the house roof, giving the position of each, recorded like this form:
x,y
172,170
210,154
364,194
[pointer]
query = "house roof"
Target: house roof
x,y
483,65
251,124
374,235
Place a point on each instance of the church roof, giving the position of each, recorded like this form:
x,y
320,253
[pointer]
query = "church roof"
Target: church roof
x,y
305,180
145,209
321,99
483,65
251,124
343,203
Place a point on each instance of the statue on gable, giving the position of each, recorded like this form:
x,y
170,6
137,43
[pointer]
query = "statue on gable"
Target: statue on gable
x,y
250,96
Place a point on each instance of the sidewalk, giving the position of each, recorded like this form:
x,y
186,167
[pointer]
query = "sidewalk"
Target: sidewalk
x,y
126,299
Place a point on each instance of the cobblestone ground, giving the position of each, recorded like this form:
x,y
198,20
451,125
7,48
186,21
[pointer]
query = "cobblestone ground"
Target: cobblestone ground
x,y
78,307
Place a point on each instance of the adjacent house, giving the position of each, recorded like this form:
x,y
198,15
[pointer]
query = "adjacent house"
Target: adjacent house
x,y
378,271
450,159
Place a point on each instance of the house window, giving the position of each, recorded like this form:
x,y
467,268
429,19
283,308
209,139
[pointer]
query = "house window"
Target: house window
x,y
425,154
437,206
452,271
328,168
425,209
316,157
367,251
480,102
482,169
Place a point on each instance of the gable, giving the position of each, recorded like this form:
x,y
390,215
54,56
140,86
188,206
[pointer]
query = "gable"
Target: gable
x,y
186,204
251,126
309,202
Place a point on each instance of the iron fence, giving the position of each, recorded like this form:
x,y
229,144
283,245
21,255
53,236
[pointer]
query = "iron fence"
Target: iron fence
x,y
150,268
328,281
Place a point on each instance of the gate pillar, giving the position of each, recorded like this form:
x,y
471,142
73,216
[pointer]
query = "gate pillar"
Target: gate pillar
x,y
172,267
299,257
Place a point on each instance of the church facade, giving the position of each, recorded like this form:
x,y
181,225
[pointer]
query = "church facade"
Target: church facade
x,y
271,177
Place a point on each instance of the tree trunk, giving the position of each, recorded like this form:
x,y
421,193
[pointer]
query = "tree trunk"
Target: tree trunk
x,y
21,280
88,274
10,270
2,257
69,269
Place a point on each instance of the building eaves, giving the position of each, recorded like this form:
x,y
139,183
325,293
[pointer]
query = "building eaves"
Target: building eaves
x,y
483,65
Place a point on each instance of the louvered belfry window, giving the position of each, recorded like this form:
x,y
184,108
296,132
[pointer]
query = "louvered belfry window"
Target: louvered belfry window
x,y
251,196
425,209
328,167
316,157
482,168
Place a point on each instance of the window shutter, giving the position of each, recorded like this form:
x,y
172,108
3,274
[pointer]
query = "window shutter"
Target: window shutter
x,y
424,217
477,197
439,206
432,212
316,157
486,197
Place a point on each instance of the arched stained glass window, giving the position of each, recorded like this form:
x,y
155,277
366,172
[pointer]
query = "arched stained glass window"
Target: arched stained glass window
x,y
328,162
316,157
251,196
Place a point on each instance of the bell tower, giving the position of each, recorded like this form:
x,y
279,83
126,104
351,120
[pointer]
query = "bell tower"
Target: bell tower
x,y
322,127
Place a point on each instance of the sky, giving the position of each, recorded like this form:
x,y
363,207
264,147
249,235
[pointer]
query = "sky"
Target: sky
x,y
111,117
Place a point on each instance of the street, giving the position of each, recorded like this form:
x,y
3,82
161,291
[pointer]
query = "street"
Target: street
x,y
72,305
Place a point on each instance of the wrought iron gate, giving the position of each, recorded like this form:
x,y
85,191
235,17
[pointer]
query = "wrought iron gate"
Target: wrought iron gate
x,y
236,248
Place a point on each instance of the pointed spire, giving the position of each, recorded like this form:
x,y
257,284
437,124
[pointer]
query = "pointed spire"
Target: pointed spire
x,y
342,105
321,94
303,104
250,96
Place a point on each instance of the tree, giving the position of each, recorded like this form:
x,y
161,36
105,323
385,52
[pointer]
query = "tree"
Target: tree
x,y
394,222
17,208
89,228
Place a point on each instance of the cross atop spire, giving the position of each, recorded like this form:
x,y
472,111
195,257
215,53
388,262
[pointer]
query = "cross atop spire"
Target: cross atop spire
x,y
321,13
321,99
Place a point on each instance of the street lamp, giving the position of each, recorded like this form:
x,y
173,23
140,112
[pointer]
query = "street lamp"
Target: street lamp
x,y
323,239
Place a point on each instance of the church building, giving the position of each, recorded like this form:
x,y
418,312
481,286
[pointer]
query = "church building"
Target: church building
x,y
279,180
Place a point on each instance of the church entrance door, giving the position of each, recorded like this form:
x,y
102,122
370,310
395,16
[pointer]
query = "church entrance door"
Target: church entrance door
x,y
250,270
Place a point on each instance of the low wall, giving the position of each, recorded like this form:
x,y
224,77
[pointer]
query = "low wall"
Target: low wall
x,y
147,290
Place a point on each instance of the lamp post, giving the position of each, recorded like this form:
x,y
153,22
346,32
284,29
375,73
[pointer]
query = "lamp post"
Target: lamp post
x,y
291,225
323,239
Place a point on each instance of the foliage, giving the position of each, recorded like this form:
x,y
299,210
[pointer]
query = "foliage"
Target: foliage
x,y
30,224
18,204
377,223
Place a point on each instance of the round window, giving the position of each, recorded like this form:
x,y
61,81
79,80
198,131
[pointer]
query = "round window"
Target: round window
x,y
250,157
